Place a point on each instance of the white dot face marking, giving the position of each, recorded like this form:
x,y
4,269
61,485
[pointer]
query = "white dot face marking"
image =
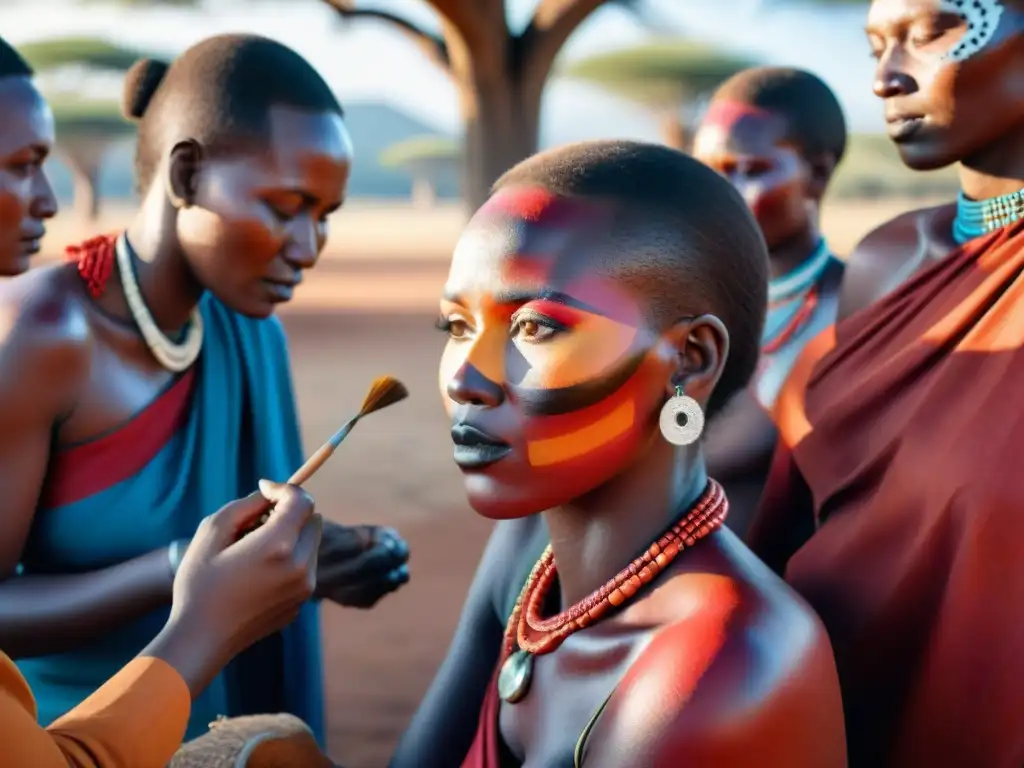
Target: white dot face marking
x,y
982,17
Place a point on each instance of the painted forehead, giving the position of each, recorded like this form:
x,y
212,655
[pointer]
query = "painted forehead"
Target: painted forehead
x,y
529,235
526,242
737,126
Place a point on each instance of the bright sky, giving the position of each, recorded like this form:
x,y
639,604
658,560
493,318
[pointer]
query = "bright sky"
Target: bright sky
x,y
371,61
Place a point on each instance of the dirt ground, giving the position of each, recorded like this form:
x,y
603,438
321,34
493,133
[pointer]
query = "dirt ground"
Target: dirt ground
x,y
356,318
395,469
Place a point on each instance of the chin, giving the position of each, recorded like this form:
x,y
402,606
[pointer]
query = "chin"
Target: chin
x,y
509,500
925,157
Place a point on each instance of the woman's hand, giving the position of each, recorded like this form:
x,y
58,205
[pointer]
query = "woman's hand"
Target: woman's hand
x,y
358,565
229,593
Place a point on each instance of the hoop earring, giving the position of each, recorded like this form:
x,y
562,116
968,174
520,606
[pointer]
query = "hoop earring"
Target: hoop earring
x,y
682,420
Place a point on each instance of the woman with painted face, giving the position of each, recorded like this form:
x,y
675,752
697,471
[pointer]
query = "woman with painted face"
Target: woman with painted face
x,y
607,297
893,506
146,384
777,134
26,138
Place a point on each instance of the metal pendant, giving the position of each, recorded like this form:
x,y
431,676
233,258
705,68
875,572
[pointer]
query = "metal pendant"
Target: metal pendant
x,y
515,677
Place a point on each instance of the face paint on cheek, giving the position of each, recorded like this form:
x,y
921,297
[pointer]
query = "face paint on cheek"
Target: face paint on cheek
x,y
596,439
563,400
982,18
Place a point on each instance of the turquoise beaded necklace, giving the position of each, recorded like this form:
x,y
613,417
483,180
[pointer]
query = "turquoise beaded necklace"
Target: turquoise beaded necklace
x,y
975,218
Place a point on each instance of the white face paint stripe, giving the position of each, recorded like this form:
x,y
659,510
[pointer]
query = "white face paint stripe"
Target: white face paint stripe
x,y
982,17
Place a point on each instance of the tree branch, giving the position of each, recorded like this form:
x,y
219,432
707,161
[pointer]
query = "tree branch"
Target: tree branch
x,y
433,46
552,24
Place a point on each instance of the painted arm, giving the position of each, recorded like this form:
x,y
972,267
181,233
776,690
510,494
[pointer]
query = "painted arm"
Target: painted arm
x,y
446,721
44,357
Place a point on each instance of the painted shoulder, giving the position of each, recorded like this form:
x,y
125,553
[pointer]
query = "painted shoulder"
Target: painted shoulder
x,y
744,676
45,336
888,255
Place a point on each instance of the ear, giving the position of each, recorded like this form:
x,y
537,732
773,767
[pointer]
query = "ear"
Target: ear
x,y
183,173
702,346
820,167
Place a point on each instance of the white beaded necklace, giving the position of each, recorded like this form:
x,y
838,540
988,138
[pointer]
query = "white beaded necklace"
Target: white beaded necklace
x,y
172,356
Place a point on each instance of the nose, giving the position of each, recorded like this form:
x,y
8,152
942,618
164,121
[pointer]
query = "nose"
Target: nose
x,y
470,387
890,77
44,201
306,239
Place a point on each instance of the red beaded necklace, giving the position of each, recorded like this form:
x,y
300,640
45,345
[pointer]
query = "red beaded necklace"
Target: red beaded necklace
x,y
529,633
802,315
95,261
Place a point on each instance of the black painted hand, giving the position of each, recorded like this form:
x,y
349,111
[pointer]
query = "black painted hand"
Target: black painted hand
x,y
358,565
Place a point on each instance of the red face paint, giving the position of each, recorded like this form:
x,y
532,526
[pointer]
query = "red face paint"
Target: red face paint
x,y
725,114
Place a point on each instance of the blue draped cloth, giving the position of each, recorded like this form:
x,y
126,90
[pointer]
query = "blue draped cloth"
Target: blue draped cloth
x,y
236,426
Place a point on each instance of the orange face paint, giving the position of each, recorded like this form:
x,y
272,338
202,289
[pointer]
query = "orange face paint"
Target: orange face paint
x,y
573,376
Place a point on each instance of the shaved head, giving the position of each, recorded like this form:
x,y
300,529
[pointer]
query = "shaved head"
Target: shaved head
x,y
661,221
219,93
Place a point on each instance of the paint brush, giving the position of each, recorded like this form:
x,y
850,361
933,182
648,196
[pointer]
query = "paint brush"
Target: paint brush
x,y
385,391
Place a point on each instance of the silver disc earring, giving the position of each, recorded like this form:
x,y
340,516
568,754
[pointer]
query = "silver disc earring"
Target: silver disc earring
x,y
682,419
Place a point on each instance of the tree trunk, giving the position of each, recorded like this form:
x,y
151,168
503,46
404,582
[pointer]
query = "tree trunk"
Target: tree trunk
x,y
501,114
86,205
84,158
673,132
423,194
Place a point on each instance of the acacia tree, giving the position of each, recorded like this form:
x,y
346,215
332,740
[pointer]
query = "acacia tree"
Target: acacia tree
x,y
499,73
86,127
667,77
429,160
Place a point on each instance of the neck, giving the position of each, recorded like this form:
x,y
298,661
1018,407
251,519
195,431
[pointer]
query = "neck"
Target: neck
x,y
792,252
996,170
168,286
595,537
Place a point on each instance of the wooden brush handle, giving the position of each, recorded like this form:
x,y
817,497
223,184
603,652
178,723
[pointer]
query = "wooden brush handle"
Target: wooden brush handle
x,y
312,464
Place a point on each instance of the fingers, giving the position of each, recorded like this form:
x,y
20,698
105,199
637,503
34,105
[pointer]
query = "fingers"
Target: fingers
x,y
218,531
293,508
365,593
307,549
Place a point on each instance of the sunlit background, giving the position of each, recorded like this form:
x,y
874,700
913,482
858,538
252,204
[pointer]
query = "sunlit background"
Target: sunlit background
x,y
369,307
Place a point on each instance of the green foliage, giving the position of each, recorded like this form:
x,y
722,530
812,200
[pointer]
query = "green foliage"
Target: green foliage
x,y
90,52
663,74
89,117
872,169
421,150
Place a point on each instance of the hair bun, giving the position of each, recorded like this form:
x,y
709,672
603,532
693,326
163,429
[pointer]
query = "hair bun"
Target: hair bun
x,y
140,83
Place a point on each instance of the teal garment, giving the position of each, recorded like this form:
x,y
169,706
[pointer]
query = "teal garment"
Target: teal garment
x,y
240,425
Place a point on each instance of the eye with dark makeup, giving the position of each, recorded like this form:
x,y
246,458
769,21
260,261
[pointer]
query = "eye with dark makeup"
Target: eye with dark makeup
x,y
534,328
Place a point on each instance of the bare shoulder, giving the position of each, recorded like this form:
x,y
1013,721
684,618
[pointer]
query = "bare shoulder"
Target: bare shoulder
x,y
45,338
891,253
743,676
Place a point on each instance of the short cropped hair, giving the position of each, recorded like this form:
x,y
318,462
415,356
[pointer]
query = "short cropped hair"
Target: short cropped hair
x,y
813,115
679,220
11,62
218,92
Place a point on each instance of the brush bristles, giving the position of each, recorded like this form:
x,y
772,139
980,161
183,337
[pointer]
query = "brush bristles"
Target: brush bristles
x,y
385,391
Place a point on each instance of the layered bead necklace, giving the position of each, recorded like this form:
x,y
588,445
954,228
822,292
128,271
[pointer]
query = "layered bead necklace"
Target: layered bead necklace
x,y
975,218
529,633
792,299
95,259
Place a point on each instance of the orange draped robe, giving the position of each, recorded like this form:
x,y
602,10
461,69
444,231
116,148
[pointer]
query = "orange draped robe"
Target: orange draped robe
x,y
895,506
136,720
